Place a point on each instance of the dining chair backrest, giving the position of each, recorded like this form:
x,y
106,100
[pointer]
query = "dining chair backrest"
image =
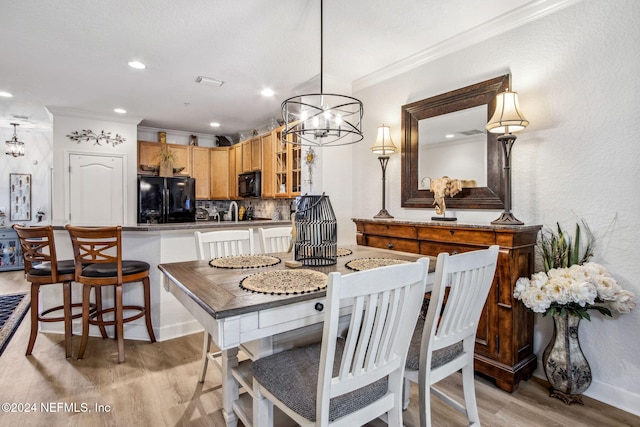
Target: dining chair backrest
x,y
221,243
276,239
38,249
97,245
385,304
468,276
444,343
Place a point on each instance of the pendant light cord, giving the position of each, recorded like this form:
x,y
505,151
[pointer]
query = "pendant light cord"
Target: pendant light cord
x,y
321,45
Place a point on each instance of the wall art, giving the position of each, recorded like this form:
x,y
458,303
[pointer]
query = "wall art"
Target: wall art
x,y
20,196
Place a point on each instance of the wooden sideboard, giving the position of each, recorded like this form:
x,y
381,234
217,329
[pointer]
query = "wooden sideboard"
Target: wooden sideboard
x,y
504,341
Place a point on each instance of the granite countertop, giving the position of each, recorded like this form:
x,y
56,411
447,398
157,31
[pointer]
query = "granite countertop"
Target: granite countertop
x,y
200,225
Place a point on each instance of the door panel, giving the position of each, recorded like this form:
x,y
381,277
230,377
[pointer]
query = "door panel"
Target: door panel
x,y
96,190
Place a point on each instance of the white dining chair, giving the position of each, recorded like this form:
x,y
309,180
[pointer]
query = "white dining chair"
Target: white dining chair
x,y
273,240
216,244
443,343
358,378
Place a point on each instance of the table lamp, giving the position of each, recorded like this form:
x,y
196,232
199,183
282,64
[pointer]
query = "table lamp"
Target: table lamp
x,y
507,119
383,146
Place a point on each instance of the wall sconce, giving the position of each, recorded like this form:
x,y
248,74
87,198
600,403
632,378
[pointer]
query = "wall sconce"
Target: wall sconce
x,y
507,119
13,147
383,146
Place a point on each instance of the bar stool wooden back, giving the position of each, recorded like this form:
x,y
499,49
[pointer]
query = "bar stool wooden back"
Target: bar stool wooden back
x,y
41,267
98,259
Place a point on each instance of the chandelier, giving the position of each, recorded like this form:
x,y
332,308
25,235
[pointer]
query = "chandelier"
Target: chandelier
x,y
13,147
320,119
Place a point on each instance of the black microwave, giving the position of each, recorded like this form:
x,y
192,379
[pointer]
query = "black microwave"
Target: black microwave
x,y
249,184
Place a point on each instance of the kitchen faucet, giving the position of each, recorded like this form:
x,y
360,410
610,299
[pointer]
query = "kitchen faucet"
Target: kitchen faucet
x,y
232,205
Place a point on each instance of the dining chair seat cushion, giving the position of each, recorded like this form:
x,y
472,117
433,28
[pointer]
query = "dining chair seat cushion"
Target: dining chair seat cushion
x,y
292,377
110,269
67,266
439,358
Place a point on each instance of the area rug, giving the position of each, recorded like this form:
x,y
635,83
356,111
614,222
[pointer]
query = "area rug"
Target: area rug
x,y
12,310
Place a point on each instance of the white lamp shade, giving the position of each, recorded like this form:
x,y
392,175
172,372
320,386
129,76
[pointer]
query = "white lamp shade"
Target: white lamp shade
x,y
507,118
384,145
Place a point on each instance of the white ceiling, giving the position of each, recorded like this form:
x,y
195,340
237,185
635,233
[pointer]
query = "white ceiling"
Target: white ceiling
x,y
73,54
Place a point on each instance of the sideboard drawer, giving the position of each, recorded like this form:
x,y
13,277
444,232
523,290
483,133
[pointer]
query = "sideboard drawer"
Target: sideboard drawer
x,y
456,235
404,231
403,245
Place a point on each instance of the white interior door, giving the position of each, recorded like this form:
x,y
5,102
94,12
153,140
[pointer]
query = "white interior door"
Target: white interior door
x,y
96,190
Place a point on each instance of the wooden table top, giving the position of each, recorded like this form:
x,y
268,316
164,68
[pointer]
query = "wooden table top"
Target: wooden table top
x,y
217,290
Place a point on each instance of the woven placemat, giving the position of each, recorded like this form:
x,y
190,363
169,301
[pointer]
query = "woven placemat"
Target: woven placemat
x,y
285,282
245,261
344,252
368,263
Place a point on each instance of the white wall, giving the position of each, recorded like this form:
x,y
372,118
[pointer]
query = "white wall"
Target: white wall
x,y
37,162
67,121
577,74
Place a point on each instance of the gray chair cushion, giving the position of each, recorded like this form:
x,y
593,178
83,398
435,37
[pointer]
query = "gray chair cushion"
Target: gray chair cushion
x,y
439,358
66,266
292,377
110,269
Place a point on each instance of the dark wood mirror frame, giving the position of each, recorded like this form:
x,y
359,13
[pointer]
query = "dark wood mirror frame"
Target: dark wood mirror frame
x,y
489,197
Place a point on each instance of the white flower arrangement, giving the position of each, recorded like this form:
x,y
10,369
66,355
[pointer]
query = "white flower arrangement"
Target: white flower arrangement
x,y
574,290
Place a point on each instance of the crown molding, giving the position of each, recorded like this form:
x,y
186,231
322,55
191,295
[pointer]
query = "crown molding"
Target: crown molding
x,y
502,24
70,112
176,132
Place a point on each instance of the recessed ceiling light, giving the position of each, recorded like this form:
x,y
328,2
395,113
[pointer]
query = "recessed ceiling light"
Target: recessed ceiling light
x,y
214,124
449,135
120,110
209,81
6,94
267,92
137,65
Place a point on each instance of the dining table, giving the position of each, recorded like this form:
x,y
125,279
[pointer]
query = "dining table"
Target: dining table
x,y
263,304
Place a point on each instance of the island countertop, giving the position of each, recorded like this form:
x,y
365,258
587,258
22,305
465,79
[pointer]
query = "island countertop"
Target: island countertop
x,y
201,225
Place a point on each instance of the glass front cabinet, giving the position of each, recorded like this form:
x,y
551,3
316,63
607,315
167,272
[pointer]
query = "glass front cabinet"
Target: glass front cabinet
x,y
10,252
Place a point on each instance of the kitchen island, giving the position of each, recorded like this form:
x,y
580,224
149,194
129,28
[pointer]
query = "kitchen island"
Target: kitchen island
x,y
155,244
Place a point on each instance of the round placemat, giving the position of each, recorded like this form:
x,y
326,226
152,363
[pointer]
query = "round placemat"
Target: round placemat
x,y
285,282
344,252
244,261
368,263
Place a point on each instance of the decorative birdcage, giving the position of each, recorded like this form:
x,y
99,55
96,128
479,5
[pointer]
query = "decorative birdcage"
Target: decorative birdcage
x,y
316,231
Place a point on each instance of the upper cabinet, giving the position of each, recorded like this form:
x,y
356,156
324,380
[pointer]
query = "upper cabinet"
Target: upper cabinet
x,y
201,168
287,160
220,173
268,164
148,159
251,154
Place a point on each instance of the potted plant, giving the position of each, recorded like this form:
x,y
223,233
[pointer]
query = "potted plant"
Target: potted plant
x,y
168,160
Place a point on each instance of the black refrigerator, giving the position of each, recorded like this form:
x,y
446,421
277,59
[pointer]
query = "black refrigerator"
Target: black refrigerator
x,y
166,200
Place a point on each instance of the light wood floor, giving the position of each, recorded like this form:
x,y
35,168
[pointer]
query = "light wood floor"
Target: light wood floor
x,y
158,386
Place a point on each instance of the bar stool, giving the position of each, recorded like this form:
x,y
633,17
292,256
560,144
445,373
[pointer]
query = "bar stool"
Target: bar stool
x,y
41,267
98,260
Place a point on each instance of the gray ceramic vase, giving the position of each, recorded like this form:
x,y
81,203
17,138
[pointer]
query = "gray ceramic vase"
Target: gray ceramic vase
x,y
566,368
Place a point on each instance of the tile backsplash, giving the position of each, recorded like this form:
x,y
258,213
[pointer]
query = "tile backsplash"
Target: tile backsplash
x,y
262,208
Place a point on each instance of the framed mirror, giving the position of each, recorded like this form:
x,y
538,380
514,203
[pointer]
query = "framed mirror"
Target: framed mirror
x,y
445,136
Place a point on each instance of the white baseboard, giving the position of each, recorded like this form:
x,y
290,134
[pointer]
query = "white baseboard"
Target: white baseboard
x,y
606,393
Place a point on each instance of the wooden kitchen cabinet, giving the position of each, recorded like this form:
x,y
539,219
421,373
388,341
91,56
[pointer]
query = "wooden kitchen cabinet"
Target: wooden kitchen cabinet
x,y
148,156
504,340
201,171
268,162
233,171
220,175
287,166
256,153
